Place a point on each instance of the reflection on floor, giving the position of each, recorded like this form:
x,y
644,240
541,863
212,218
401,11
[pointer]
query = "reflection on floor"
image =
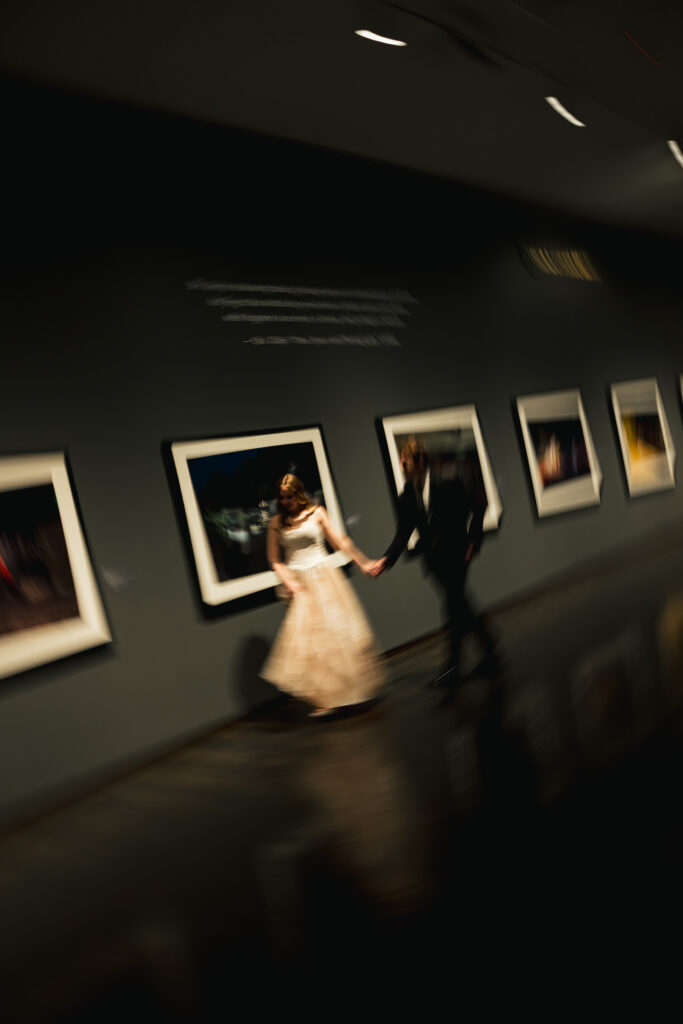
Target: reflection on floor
x,y
527,828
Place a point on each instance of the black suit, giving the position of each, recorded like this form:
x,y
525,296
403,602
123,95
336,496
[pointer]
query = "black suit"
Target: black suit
x,y
453,521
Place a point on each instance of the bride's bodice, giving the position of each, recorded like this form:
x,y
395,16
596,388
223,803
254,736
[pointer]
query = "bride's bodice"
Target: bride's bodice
x,y
303,546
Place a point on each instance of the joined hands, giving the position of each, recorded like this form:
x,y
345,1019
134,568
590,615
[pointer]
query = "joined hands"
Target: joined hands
x,y
375,568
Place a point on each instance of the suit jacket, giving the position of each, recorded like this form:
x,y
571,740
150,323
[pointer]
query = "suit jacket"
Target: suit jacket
x,y
453,521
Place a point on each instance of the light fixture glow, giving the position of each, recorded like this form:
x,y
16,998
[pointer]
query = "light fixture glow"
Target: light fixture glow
x,y
574,263
367,34
556,105
676,150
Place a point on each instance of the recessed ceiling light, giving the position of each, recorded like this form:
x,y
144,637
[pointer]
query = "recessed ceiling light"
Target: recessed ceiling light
x,y
367,34
676,150
556,105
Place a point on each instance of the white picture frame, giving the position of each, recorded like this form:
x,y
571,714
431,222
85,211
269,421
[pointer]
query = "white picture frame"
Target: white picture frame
x,y
243,525
51,606
647,449
563,464
454,430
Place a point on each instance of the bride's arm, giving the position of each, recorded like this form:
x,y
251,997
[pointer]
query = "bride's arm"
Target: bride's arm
x,y
274,554
340,542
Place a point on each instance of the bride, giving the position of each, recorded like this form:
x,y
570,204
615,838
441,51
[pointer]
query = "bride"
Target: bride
x,y
325,651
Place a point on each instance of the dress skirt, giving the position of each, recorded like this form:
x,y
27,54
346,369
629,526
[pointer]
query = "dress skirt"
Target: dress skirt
x,y
325,651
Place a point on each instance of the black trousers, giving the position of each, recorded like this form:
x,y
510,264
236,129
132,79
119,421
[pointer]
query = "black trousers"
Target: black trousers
x,y
462,619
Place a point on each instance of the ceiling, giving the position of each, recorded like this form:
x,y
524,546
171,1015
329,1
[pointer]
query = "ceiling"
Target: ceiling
x,y
465,99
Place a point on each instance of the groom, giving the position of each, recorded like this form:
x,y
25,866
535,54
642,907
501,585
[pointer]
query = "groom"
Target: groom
x,y
449,520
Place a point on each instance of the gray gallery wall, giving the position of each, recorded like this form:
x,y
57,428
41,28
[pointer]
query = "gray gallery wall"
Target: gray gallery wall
x,y
107,353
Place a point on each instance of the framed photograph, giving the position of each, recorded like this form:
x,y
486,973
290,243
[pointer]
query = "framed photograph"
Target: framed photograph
x,y
228,495
50,605
455,445
564,468
644,436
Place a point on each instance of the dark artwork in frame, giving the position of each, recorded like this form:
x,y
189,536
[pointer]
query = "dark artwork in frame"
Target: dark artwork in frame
x,y
455,445
36,582
225,491
644,431
560,448
236,495
564,471
452,453
50,605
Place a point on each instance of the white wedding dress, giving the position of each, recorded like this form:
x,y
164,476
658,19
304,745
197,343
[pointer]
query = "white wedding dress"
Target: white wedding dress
x,y
324,652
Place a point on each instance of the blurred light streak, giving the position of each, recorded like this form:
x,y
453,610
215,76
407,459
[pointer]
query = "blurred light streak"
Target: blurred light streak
x,y
366,34
676,150
557,106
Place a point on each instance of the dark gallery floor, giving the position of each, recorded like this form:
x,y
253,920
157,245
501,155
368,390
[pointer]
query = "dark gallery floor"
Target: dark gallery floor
x,y
525,832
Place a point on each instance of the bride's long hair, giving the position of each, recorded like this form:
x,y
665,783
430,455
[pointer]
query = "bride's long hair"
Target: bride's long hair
x,y
291,483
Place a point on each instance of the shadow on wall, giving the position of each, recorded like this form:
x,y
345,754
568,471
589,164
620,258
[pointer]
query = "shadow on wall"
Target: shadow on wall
x,y
251,690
